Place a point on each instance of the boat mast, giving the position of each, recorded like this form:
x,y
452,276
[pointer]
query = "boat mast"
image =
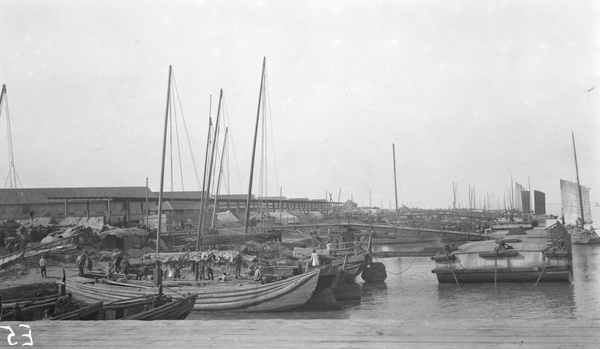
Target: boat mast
x,y
203,212
260,96
203,199
395,189
578,185
12,175
512,194
215,201
530,196
147,224
162,180
280,202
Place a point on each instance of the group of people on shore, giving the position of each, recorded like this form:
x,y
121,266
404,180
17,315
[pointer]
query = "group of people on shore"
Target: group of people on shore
x,y
115,266
118,264
204,269
83,261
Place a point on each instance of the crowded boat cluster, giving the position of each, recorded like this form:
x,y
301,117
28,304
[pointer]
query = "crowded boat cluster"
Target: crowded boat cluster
x,y
313,267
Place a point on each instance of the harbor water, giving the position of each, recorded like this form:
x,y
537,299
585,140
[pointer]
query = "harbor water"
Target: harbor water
x,y
412,292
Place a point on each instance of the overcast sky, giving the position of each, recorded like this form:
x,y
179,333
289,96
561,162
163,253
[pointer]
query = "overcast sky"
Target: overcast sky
x,y
470,92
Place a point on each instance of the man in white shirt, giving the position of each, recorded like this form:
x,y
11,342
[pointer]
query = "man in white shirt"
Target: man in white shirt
x,y
315,259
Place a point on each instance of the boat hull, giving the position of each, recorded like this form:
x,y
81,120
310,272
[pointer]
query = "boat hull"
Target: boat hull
x,y
590,241
281,295
176,310
491,276
353,266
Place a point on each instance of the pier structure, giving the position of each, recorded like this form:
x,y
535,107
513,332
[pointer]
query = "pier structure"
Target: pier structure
x,y
314,333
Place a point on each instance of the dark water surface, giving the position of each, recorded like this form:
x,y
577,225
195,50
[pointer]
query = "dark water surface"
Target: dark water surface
x,y
411,291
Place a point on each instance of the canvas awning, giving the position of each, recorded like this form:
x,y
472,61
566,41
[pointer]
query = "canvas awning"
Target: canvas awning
x,y
123,232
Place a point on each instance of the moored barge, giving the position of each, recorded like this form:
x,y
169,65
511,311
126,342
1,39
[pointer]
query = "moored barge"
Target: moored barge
x,y
540,255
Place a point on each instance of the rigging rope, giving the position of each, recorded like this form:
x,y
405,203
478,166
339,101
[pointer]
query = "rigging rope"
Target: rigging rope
x,y
178,147
542,273
402,272
226,115
12,172
452,270
187,135
268,105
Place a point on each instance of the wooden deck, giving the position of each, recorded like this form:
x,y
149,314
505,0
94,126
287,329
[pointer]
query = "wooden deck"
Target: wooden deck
x,y
363,333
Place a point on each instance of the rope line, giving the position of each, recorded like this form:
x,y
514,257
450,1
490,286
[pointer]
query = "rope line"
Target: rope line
x,y
173,290
402,272
452,270
187,134
542,273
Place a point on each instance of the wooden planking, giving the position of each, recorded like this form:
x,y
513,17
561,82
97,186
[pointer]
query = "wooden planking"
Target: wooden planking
x,y
347,333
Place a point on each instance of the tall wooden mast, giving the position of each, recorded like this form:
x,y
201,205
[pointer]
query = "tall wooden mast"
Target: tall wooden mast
x,y
204,196
260,97
204,208
162,180
395,188
578,185
216,200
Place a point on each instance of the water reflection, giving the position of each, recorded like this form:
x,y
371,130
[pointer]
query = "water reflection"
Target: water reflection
x,y
373,290
507,300
586,266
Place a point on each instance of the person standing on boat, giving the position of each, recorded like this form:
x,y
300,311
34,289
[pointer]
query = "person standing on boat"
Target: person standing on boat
x,y
209,270
237,262
118,259
142,274
315,259
200,267
89,264
23,238
126,266
108,272
329,246
43,266
80,261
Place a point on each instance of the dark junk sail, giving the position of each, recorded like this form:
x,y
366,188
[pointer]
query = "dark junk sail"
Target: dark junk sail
x,y
540,202
525,199
570,202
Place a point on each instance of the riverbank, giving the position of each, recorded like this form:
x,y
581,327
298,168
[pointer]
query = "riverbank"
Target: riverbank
x,y
271,333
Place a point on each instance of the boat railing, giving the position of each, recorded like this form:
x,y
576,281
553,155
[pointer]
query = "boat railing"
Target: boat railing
x,y
345,247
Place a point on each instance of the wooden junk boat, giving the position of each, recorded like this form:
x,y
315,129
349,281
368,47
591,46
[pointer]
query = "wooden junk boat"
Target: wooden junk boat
x,y
581,236
237,296
539,255
44,308
145,307
350,256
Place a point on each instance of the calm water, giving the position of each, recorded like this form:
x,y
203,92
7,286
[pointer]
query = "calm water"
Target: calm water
x,y
411,291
